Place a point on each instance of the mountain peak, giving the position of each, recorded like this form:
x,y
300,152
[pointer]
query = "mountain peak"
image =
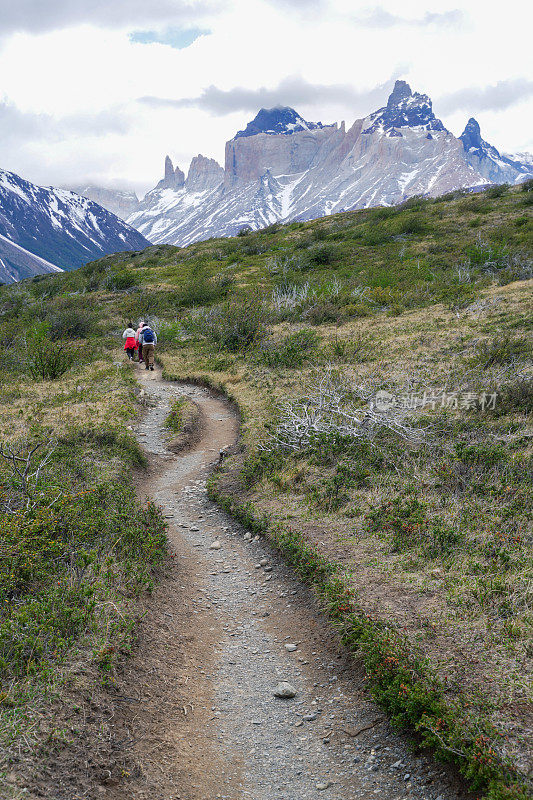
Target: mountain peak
x,y
401,91
405,109
277,120
174,178
473,142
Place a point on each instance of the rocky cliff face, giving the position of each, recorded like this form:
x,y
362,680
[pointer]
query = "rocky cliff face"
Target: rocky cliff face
x,y
493,166
204,174
281,167
174,178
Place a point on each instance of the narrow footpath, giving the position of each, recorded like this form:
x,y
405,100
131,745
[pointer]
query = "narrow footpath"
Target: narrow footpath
x,y
228,623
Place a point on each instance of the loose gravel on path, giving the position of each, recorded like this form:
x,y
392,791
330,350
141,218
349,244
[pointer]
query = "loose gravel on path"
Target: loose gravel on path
x,y
228,625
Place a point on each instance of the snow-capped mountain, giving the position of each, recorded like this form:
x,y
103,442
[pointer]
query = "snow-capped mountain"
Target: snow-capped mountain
x,y
43,229
121,203
17,263
280,119
495,167
284,168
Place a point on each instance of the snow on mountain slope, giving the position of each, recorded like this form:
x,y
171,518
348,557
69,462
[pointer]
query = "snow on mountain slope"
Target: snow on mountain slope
x,y
278,120
119,202
60,227
495,167
17,263
284,168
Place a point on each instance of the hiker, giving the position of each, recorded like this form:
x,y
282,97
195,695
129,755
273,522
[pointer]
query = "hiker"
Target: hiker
x,y
149,341
138,340
130,345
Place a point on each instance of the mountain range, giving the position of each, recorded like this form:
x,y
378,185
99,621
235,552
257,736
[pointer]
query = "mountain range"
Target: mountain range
x,y
46,230
284,168
279,168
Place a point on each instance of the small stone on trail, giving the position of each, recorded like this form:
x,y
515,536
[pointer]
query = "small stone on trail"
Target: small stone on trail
x,y
247,537
194,528
263,562
284,690
322,786
291,648
215,546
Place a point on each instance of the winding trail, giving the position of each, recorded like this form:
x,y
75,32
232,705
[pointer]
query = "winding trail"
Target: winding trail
x,y
199,719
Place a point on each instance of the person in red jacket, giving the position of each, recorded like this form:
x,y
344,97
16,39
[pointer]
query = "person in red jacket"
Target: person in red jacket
x,y
130,345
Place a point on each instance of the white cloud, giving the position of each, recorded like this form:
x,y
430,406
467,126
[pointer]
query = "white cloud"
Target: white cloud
x,y
71,76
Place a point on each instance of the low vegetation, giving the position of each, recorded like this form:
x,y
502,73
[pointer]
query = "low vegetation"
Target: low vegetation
x,y
77,549
382,363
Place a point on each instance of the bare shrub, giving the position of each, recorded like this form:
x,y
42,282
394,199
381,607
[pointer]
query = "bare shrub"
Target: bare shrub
x,y
23,486
335,407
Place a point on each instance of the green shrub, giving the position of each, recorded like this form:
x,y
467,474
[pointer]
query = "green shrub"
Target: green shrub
x,y
415,224
234,325
291,351
322,255
58,563
358,349
403,518
502,349
375,235
331,493
47,359
174,420
322,312
517,396
119,281
71,323
497,191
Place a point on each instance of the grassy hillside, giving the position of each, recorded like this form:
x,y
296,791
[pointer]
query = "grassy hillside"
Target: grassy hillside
x,y
410,516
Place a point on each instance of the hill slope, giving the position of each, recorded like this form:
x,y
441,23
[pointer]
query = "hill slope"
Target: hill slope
x,y
404,335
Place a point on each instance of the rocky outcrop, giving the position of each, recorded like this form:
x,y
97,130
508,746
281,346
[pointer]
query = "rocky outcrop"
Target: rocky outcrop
x,y
278,120
204,174
174,178
281,167
485,158
405,109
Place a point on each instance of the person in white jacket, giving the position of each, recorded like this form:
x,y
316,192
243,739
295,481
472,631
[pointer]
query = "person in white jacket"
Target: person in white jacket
x,y
130,344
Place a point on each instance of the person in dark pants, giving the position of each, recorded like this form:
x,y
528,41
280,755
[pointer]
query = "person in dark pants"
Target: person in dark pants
x,y
149,340
139,340
130,344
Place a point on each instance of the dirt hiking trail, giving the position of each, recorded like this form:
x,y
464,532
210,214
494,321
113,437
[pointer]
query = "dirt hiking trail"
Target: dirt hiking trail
x,y
198,718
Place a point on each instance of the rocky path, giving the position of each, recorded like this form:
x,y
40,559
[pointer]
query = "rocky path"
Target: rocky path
x,y
229,623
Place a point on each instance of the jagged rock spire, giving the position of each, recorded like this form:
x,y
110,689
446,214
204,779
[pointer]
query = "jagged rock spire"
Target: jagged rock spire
x,y
169,169
174,178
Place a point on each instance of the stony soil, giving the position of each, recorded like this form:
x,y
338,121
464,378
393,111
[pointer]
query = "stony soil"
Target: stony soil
x,y
229,622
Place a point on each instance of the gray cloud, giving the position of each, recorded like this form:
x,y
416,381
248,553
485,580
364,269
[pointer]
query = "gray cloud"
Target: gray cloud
x,y
379,18
498,97
39,16
23,127
28,139
292,91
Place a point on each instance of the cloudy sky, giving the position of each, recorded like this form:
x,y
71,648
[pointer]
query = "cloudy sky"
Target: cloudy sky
x,y
101,91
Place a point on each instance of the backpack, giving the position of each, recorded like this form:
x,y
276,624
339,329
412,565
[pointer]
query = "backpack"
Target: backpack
x,y
148,335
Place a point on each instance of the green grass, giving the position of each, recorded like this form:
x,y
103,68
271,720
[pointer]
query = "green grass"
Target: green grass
x,y
421,553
